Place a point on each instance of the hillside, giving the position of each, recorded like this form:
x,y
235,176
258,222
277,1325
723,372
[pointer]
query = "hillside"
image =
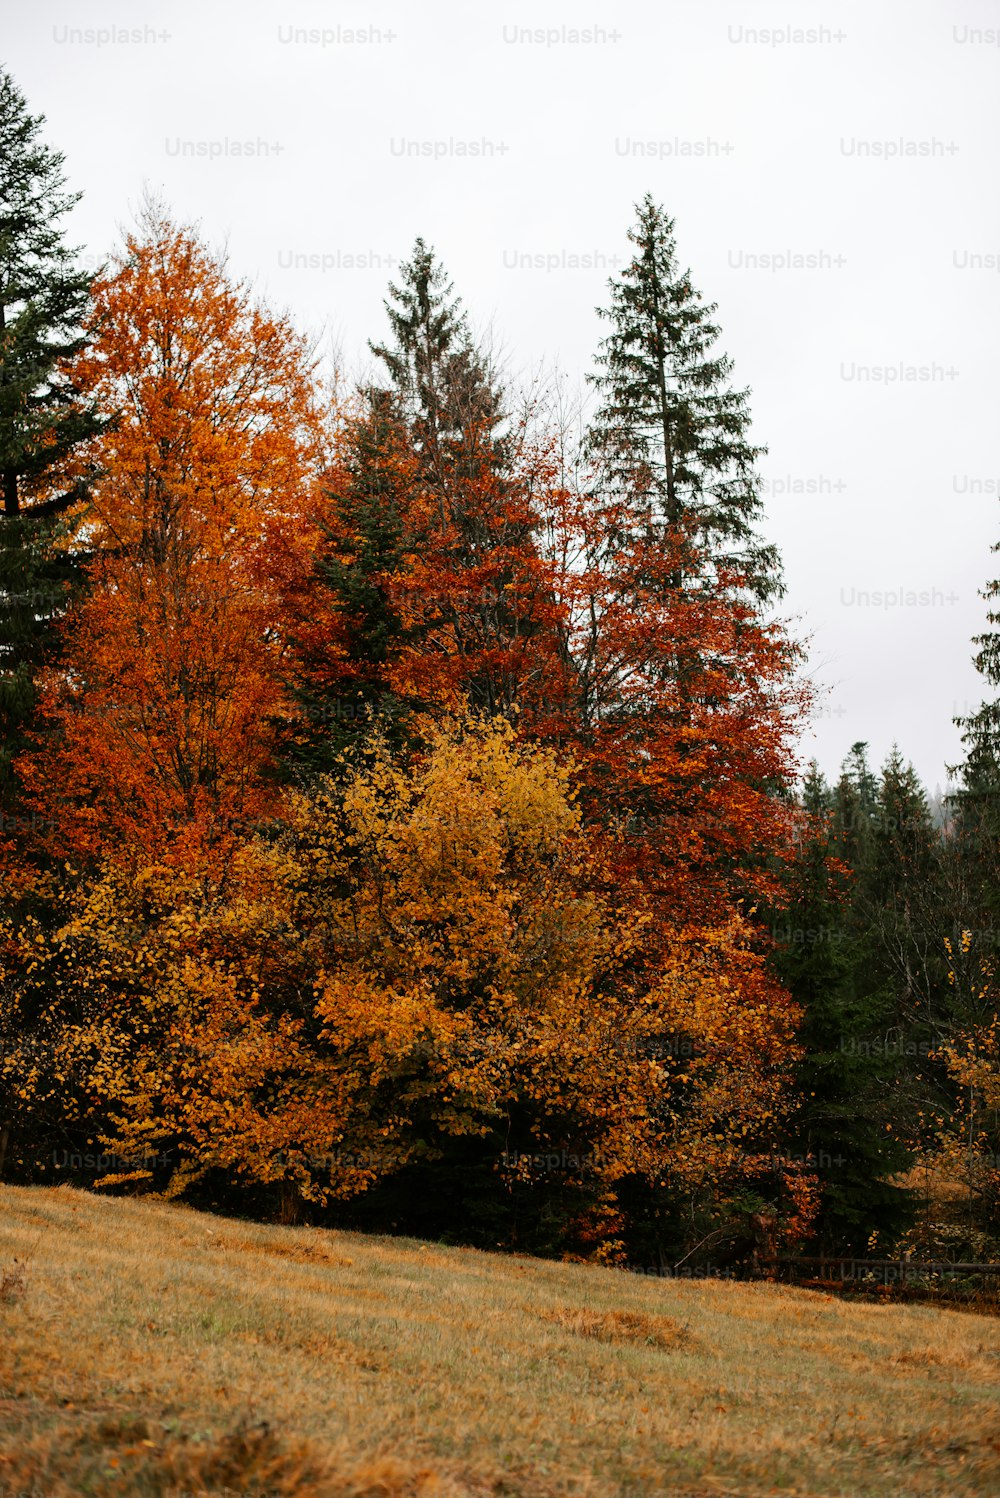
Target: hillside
x,y
150,1349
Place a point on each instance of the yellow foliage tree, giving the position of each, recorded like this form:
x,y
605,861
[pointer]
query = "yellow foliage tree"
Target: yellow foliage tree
x,y
429,949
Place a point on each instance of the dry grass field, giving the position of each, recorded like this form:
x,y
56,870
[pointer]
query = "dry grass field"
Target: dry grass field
x,y
149,1349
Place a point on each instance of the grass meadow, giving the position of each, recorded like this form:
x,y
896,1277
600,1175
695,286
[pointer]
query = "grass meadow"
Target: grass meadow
x,y
149,1349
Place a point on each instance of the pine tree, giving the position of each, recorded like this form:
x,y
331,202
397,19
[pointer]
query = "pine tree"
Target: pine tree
x,y
44,418
670,430
886,996
884,831
429,591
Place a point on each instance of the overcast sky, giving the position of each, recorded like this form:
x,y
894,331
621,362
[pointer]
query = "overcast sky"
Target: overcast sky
x,y
832,170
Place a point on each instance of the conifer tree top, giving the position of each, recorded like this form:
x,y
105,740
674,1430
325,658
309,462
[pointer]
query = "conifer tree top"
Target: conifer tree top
x,y
442,381
670,429
425,318
43,300
32,200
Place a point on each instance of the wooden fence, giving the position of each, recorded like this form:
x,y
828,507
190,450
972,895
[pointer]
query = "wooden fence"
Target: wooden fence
x,y
917,1275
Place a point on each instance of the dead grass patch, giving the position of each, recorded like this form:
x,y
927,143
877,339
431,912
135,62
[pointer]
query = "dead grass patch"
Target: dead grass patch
x,y
972,1363
250,1459
297,1253
621,1326
124,1457
13,1282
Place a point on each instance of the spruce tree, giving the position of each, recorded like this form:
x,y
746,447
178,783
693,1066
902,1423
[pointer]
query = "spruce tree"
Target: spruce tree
x,y
342,694
477,536
427,525
43,417
848,1128
976,800
670,429
854,805
440,379
885,832
905,887
897,920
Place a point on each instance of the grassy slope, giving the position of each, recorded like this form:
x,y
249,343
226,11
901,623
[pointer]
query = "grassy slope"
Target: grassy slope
x,y
154,1349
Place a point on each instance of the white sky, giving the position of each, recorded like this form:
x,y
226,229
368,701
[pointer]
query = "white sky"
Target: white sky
x,y
756,146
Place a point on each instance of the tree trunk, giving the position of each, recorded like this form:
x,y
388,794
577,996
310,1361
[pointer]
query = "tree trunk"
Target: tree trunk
x,y
290,1212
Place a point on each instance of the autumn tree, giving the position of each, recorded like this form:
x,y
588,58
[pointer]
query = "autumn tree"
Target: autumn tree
x,y
45,418
492,1004
479,986
970,1139
421,980
168,701
151,1019
960,1144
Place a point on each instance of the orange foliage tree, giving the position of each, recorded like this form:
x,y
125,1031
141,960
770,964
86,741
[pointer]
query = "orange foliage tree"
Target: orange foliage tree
x,y
421,958
171,688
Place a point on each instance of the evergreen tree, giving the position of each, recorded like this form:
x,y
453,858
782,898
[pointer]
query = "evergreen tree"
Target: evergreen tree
x,y
670,429
854,806
896,921
976,800
906,898
476,591
342,684
428,589
849,1126
43,417
440,380
973,868
884,831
